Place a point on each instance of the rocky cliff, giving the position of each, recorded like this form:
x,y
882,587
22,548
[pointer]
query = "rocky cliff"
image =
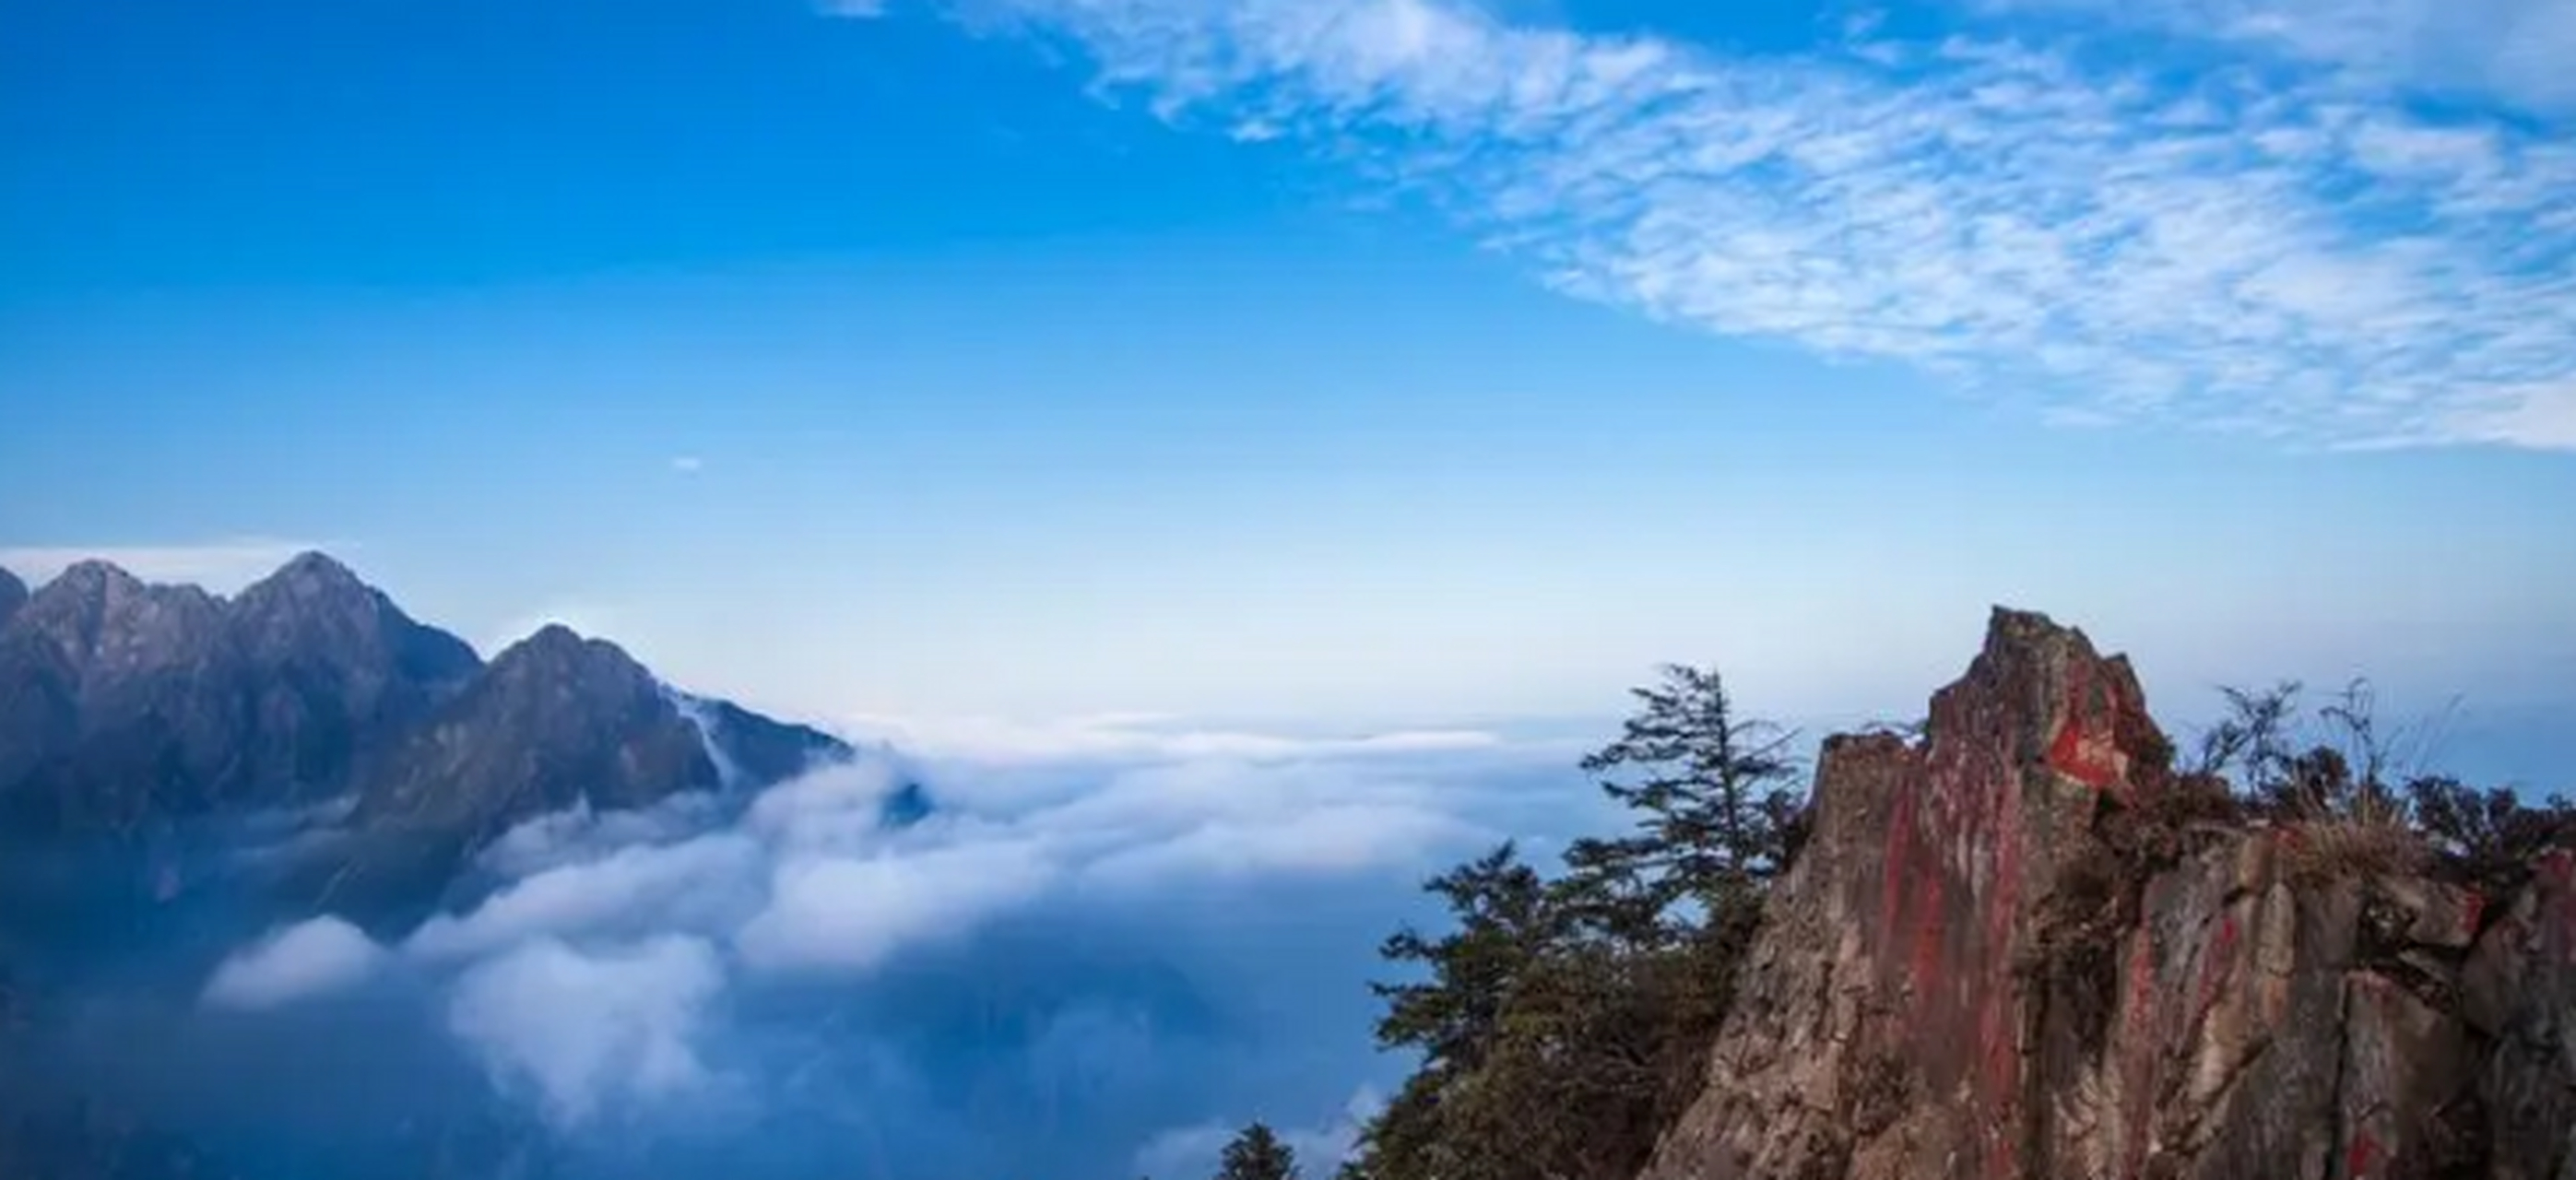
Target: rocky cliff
x,y
2008,951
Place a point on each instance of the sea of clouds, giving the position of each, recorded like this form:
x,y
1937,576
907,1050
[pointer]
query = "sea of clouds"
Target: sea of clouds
x,y
1105,947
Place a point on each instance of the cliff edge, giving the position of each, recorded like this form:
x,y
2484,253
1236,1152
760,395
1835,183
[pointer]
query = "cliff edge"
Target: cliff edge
x,y
2010,949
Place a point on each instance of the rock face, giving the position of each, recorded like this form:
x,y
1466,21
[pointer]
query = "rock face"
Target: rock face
x,y
2520,992
1922,1005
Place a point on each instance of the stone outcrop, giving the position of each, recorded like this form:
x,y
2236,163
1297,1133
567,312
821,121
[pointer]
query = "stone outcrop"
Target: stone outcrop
x,y
1979,968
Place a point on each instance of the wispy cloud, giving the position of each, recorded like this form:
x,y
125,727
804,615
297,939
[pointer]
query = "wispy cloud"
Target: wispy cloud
x,y
2512,51
220,566
2244,245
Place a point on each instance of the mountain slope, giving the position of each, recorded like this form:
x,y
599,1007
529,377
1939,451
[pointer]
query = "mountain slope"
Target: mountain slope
x,y
554,720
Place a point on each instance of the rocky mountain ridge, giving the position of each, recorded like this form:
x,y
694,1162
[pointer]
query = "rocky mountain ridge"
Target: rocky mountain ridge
x,y
2006,952
127,707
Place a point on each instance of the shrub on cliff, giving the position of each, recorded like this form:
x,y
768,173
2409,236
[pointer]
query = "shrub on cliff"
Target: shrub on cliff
x,y
2358,801
2487,839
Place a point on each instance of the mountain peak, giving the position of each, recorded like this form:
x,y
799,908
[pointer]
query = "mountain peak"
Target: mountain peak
x,y
94,576
314,608
310,573
557,654
314,585
557,644
553,635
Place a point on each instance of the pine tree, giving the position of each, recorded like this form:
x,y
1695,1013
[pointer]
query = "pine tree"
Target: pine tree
x,y
1564,1025
1500,905
1716,813
1257,1154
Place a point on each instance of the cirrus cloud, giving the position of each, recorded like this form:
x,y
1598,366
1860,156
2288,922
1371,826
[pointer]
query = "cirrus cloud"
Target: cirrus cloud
x,y
2252,244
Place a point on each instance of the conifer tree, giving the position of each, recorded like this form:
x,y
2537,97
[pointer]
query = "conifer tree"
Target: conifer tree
x,y
1257,1154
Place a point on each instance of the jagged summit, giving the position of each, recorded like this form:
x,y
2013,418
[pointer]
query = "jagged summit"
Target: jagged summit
x,y
310,577
2008,951
123,703
557,645
92,576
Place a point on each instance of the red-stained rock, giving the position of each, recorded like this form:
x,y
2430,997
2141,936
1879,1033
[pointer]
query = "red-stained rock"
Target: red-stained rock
x,y
2219,1021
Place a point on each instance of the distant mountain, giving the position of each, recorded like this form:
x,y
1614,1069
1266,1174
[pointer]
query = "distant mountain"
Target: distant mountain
x,y
127,707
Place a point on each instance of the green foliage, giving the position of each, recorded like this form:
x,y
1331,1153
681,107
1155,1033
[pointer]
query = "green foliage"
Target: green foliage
x,y
1710,791
1257,1154
1563,1024
1501,909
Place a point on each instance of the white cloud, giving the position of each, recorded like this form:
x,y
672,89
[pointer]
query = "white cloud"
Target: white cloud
x,y
662,885
2541,417
586,1029
688,464
586,978
1196,1150
221,567
299,962
853,913
2258,250
1332,839
1132,737
2509,50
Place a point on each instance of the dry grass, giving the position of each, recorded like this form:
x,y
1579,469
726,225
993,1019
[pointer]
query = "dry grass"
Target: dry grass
x,y
2369,838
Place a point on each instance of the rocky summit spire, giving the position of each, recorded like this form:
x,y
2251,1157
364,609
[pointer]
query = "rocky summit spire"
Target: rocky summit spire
x,y
2009,951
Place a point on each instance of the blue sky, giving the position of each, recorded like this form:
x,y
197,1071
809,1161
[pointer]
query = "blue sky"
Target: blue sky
x,y
1338,362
